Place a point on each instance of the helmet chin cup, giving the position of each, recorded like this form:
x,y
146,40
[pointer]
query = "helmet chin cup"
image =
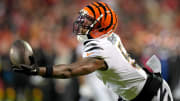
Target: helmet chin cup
x,y
82,38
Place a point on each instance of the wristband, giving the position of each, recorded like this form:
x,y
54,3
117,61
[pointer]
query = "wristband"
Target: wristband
x,y
49,71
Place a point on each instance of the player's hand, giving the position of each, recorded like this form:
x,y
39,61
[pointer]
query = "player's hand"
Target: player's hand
x,y
32,69
26,69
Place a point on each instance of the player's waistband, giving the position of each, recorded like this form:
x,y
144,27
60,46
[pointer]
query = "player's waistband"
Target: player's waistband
x,y
153,83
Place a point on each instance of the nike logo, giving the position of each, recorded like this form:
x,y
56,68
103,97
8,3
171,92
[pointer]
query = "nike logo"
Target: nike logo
x,y
88,54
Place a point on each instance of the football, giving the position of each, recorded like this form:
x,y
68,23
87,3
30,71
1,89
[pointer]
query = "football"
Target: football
x,y
19,53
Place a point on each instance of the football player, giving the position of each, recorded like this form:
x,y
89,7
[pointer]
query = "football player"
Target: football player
x,y
104,53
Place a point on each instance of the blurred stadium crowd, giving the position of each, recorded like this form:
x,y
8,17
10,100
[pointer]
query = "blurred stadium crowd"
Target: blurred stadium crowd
x,y
146,27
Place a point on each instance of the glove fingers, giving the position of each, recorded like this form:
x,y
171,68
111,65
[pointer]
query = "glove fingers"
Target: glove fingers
x,y
18,70
26,67
21,71
13,66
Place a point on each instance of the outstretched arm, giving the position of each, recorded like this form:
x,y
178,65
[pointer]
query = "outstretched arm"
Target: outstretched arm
x,y
82,67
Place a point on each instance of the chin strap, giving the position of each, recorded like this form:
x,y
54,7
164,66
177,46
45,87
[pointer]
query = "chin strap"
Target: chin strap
x,y
82,38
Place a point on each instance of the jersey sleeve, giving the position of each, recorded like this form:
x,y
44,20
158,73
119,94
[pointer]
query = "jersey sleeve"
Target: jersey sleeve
x,y
92,48
100,48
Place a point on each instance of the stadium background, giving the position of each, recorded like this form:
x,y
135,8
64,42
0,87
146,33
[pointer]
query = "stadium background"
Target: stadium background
x,y
146,27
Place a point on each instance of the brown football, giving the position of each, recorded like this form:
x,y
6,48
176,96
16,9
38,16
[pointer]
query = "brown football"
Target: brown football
x,y
20,52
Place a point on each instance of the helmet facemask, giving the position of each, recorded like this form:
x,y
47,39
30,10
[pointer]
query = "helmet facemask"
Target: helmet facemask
x,y
84,25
